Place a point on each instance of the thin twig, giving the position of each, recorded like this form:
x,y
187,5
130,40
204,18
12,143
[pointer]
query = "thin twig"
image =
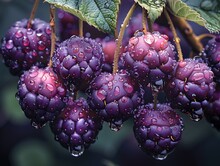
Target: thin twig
x,y
150,24
53,35
120,37
175,36
80,28
34,9
144,20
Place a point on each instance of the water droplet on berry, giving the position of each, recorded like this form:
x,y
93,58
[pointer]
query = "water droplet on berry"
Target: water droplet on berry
x,y
29,31
109,77
41,45
9,44
75,49
48,30
160,156
186,88
128,88
116,125
149,39
81,55
133,41
101,94
50,87
198,76
31,82
88,49
33,74
182,63
19,34
116,91
25,41
35,125
124,99
77,150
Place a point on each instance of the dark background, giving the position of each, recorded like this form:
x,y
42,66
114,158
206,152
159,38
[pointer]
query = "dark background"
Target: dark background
x,y
22,145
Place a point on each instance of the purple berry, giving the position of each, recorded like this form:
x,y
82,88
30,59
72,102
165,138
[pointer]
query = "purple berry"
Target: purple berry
x,y
76,127
23,47
150,57
78,60
114,97
157,131
40,94
212,56
212,112
190,87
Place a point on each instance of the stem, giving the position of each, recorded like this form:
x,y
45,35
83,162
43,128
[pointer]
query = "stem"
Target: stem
x,y
205,35
80,28
53,35
34,9
175,36
120,37
150,24
187,32
144,21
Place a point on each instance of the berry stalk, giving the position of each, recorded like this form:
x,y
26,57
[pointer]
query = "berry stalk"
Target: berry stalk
x,y
144,20
120,37
187,32
53,35
150,25
175,36
80,28
34,9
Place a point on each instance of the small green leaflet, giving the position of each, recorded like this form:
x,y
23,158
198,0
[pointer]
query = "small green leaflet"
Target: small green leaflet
x,y
202,12
101,14
153,7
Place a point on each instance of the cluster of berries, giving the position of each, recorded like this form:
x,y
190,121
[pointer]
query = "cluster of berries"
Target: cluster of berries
x,y
50,93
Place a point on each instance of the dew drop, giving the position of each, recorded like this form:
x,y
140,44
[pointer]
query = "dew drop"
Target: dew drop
x,y
160,156
81,55
109,77
186,88
198,76
116,125
101,94
19,34
31,82
41,45
50,87
9,44
116,91
133,41
149,39
182,64
77,150
75,49
29,31
48,30
128,88
88,49
33,74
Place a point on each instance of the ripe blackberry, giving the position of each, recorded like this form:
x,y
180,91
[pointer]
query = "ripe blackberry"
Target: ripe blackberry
x,y
114,97
212,112
40,94
157,131
212,56
68,25
190,87
150,57
78,60
23,47
76,127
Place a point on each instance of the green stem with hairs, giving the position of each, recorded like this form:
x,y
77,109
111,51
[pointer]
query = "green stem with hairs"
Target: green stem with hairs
x,y
80,28
120,37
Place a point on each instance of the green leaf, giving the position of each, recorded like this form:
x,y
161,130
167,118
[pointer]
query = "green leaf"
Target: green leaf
x,y
101,14
154,8
202,12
